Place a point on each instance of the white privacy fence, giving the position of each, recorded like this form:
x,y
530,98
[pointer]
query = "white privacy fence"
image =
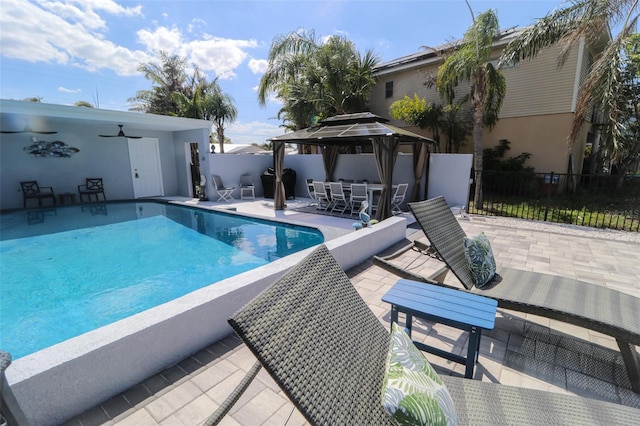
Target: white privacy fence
x,y
449,173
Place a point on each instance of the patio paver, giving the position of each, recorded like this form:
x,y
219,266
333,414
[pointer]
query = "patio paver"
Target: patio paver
x,y
522,350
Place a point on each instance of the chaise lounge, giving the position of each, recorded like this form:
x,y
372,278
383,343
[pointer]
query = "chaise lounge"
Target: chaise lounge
x,y
327,351
587,305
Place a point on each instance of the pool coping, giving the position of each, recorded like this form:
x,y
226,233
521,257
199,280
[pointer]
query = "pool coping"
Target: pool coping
x,y
59,382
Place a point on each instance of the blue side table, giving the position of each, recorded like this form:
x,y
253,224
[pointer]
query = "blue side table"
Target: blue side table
x,y
459,309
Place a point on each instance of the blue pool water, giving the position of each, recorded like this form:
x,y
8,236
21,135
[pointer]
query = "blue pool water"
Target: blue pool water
x,y
67,271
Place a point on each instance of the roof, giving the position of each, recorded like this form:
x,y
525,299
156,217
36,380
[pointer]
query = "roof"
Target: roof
x,y
432,54
15,115
349,128
234,148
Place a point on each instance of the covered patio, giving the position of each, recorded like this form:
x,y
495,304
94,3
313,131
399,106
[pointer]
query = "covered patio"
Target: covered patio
x,y
356,130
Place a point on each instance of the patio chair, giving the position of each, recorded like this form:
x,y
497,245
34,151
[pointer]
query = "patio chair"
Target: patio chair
x,y
311,193
31,190
247,188
91,187
398,198
587,305
357,196
320,195
338,198
318,339
224,193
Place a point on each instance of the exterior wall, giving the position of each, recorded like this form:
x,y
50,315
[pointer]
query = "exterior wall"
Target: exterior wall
x,y
539,86
543,136
536,114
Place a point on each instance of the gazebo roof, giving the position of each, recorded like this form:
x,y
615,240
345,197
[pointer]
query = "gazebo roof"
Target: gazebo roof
x,y
347,128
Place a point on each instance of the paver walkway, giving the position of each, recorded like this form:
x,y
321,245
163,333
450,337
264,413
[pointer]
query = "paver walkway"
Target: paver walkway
x,y
522,350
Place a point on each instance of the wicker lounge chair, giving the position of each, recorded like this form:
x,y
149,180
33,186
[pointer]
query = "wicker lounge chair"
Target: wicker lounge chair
x,y
569,300
324,347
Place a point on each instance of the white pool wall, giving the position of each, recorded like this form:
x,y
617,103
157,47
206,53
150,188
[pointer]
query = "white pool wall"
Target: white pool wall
x,y
60,382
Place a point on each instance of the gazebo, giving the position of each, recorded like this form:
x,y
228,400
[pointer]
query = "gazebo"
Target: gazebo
x,y
354,129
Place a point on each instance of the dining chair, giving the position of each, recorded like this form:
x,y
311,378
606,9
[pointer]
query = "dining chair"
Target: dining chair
x,y
320,195
357,196
398,198
338,199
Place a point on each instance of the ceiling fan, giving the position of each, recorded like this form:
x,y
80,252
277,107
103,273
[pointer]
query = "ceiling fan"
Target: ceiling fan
x,y
120,134
28,129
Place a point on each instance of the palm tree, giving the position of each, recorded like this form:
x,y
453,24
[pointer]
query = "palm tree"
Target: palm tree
x,y
167,77
220,109
604,83
316,79
469,61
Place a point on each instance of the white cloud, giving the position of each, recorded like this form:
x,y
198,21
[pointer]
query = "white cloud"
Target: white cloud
x,y
66,90
83,11
219,55
258,66
60,41
163,38
195,23
75,33
253,132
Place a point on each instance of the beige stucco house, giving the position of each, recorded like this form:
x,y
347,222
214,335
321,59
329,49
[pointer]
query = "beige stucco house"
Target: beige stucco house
x,y
537,112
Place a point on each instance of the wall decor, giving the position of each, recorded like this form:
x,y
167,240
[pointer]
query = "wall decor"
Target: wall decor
x,y
51,149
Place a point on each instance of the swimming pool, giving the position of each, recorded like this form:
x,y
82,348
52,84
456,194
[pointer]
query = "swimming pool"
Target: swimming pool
x,y
70,270
61,381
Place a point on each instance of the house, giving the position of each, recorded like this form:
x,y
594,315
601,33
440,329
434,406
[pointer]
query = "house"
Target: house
x,y
537,112
160,162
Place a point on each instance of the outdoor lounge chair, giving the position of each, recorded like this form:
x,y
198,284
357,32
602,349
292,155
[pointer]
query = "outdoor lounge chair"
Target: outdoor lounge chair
x,y
327,351
587,305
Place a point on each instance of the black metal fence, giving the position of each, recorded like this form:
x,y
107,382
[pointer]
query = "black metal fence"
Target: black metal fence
x,y
598,201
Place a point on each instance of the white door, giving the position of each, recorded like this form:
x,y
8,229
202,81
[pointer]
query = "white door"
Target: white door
x,y
144,156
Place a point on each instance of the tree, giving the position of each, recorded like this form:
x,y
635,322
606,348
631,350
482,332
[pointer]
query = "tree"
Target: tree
x,y
607,80
469,61
220,109
623,143
167,78
83,104
453,120
316,80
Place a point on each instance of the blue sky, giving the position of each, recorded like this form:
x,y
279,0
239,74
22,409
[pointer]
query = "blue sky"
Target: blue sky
x,y
66,51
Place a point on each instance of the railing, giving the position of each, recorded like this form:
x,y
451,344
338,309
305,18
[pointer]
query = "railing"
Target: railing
x,y
598,201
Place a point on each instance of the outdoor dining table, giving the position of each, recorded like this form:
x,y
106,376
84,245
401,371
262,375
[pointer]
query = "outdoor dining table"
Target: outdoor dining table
x,y
372,188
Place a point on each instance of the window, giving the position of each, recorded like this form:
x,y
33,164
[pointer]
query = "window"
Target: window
x,y
388,89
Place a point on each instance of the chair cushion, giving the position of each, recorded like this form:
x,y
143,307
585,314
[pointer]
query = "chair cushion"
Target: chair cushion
x,y
482,265
412,392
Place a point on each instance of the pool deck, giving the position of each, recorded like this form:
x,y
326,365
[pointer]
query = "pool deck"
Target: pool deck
x,y
523,350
